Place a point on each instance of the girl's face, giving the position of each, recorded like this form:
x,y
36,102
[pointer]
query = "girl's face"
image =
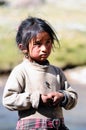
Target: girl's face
x,y
40,47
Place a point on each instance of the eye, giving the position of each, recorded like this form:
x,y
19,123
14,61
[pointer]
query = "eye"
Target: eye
x,y
49,41
37,43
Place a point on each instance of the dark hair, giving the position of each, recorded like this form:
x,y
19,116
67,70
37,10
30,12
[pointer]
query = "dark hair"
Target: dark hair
x,y
30,27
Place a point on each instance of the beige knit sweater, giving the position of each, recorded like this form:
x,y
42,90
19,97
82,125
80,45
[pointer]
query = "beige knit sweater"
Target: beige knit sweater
x,y
25,84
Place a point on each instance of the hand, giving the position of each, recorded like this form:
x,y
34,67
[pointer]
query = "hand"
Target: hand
x,y
56,97
52,99
45,99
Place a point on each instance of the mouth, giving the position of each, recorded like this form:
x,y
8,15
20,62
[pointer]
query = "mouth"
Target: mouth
x,y
44,56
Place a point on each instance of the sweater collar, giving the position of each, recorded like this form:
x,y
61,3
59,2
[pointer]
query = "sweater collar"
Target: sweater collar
x,y
37,66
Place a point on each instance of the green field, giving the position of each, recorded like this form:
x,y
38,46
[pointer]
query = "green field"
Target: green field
x,y
72,40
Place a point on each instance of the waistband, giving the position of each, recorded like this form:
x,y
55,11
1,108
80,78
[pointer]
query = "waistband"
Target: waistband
x,y
25,124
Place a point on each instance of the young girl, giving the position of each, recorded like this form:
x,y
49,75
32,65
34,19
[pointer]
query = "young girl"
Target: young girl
x,y
35,88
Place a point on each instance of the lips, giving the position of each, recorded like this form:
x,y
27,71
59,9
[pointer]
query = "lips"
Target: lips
x,y
44,56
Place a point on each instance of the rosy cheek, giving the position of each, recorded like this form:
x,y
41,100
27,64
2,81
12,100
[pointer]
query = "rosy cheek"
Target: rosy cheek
x,y
49,48
35,51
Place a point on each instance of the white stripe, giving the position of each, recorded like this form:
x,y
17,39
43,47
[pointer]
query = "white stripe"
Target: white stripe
x,y
58,78
66,85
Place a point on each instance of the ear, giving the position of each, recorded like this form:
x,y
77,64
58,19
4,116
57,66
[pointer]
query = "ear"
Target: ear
x,y
22,48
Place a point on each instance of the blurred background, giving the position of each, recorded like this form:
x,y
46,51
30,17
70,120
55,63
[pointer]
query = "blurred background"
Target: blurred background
x,y
68,17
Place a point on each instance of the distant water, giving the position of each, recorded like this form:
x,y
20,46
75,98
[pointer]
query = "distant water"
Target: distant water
x,y
8,118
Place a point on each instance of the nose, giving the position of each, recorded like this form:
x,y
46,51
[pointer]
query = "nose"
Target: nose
x,y
43,48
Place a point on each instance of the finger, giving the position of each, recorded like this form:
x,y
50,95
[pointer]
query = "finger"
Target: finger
x,y
55,99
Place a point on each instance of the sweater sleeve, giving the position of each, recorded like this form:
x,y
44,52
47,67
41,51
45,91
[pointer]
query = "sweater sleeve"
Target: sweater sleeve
x,y
14,96
70,95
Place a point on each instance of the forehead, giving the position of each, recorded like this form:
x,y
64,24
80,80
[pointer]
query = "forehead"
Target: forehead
x,y
42,36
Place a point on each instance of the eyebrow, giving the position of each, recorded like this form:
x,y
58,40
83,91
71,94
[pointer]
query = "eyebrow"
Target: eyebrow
x,y
41,39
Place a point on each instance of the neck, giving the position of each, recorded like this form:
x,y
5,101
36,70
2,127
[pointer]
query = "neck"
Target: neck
x,y
39,62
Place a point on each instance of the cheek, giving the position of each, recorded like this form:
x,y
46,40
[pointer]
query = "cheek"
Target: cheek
x,y
49,48
34,51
